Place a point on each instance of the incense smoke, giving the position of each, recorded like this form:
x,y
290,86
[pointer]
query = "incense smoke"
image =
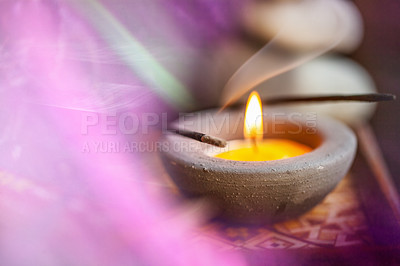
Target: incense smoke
x,y
272,60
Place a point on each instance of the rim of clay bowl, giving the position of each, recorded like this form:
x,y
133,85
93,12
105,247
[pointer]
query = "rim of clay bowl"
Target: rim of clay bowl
x,y
331,139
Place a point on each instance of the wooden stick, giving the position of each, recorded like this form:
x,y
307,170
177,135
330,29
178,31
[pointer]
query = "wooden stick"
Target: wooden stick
x,y
371,151
200,137
371,97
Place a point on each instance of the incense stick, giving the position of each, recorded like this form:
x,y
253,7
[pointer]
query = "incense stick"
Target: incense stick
x,y
372,153
200,137
371,97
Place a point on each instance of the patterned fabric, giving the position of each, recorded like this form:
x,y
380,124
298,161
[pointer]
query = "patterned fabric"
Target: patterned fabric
x,y
336,222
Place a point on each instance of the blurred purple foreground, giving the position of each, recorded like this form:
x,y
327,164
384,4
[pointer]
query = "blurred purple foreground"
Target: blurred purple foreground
x,y
63,60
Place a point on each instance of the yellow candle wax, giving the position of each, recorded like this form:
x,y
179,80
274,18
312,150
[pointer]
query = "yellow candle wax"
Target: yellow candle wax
x,y
265,150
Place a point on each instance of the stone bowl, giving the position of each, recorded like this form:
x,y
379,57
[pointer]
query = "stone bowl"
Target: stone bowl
x,y
260,192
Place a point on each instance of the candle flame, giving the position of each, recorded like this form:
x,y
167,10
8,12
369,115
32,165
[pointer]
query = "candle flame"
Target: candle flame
x,y
253,120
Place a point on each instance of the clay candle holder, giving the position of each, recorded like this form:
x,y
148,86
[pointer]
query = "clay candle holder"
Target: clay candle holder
x,y
256,192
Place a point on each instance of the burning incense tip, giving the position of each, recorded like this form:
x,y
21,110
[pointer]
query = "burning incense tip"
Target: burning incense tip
x,y
213,141
201,137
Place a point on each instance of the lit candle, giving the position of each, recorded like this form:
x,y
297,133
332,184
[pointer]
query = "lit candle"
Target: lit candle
x,y
253,147
251,184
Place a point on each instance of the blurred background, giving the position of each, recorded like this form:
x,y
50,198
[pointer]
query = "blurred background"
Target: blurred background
x,y
378,53
70,194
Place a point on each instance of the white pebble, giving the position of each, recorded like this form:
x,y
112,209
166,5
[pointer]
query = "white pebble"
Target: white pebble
x,y
305,25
